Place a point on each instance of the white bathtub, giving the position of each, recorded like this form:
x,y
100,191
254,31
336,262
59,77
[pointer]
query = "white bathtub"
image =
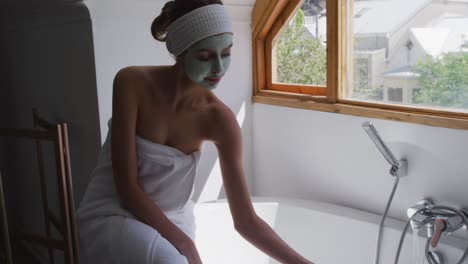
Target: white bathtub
x,y
324,233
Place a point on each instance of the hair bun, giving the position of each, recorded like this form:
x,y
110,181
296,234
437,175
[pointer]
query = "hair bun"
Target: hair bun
x,y
160,23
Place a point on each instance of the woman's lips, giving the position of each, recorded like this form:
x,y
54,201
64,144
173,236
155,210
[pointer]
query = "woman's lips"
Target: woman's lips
x,y
213,79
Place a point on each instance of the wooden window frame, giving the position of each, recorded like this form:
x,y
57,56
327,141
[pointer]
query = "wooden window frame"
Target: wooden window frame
x,y
269,17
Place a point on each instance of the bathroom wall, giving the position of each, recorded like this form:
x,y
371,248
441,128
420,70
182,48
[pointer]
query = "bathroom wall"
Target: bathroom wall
x,y
122,37
328,157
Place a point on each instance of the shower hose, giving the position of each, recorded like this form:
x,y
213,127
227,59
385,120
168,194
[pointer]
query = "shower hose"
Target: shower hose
x,y
379,237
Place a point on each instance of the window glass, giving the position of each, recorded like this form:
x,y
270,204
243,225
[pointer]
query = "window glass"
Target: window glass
x,y
299,53
408,52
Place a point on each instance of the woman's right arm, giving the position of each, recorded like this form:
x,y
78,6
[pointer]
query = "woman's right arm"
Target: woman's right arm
x,y
124,164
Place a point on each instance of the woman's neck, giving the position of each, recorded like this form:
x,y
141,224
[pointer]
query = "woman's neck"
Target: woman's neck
x,y
182,88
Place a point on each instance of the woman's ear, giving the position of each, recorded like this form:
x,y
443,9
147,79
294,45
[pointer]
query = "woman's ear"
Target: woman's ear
x,y
181,56
178,59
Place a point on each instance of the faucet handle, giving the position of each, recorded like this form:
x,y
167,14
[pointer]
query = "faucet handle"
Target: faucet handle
x,y
439,225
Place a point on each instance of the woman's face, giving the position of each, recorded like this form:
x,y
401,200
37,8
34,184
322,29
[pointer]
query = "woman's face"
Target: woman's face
x,y
207,61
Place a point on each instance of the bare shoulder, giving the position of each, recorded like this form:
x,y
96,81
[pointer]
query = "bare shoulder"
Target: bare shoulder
x,y
128,89
223,126
130,82
130,76
221,112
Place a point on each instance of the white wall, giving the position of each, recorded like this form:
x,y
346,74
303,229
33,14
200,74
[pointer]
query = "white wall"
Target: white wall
x,y
122,37
328,157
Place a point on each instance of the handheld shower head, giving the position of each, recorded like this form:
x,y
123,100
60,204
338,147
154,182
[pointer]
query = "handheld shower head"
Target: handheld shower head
x,y
374,135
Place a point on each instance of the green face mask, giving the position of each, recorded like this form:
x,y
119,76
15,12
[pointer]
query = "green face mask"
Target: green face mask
x,y
207,61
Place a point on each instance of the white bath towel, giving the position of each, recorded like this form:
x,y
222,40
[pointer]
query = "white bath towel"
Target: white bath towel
x,y
110,234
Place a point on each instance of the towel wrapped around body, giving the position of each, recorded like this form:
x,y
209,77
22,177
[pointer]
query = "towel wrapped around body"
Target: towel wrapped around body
x,y
111,234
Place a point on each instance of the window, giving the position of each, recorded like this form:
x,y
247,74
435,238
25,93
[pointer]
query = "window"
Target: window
x,y
300,51
414,94
395,94
408,47
365,57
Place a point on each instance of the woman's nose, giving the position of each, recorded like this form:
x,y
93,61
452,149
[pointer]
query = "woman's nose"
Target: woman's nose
x,y
217,65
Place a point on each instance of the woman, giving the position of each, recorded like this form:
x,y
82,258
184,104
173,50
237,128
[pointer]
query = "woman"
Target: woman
x,y
137,207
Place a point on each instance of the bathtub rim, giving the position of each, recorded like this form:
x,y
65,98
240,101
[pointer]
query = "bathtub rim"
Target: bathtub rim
x,y
337,210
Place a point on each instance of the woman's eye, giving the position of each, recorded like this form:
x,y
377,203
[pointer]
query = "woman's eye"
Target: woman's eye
x,y
203,58
207,57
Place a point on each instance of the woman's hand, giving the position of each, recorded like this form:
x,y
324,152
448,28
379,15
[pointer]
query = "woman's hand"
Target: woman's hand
x,y
189,250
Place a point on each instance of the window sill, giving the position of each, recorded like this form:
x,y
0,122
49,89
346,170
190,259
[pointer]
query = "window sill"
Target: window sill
x,y
320,104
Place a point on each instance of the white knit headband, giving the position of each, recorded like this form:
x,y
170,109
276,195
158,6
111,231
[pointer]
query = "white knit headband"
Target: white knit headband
x,y
201,23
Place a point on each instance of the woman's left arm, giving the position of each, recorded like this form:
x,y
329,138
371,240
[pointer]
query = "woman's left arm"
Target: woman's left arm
x,y
227,137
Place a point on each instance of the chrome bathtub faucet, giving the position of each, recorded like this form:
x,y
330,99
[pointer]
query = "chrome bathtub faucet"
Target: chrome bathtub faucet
x,y
437,220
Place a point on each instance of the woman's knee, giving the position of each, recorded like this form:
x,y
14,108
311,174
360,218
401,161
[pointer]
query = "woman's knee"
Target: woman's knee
x,y
165,253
